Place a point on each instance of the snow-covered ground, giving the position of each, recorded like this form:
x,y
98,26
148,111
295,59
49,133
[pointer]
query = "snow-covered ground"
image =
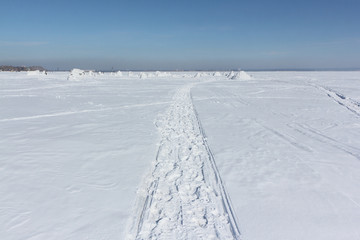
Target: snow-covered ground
x,y
180,155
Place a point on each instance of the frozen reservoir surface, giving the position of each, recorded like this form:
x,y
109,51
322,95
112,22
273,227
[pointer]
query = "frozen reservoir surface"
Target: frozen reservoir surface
x,y
180,155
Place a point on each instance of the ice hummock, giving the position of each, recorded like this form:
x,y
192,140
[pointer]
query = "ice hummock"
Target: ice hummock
x,y
241,75
143,75
162,74
77,74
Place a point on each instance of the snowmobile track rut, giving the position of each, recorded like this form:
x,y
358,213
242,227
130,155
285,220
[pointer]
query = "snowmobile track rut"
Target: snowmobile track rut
x,y
184,196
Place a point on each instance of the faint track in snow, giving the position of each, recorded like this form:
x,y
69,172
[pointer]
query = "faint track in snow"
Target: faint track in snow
x,y
59,114
184,196
320,137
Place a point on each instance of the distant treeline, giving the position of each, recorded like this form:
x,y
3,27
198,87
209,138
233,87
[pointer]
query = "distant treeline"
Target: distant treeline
x,y
22,68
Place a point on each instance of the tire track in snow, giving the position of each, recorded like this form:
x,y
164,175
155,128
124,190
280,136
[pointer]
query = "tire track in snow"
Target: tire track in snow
x,y
185,197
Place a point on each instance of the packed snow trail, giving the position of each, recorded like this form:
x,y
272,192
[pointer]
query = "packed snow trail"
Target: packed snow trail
x,y
185,197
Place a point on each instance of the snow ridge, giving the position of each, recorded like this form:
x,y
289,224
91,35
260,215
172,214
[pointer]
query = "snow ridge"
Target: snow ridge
x,y
341,99
185,198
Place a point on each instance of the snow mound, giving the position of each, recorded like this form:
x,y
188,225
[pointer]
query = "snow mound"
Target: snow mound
x,y
151,75
143,75
90,73
230,74
162,74
241,75
202,74
131,74
217,74
119,73
197,75
76,74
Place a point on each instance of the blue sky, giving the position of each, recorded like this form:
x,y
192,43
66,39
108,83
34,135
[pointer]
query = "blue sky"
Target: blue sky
x,y
222,35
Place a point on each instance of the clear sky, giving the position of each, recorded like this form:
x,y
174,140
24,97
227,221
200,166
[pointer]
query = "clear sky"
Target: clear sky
x,y
152,34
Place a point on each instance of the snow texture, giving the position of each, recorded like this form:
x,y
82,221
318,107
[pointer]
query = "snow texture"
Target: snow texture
x,y
81,157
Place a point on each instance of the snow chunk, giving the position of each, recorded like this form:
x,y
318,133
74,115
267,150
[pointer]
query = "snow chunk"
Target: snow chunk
x,y
217,74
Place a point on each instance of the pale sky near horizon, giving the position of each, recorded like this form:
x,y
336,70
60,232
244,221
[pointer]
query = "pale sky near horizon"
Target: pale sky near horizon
x,y
204,35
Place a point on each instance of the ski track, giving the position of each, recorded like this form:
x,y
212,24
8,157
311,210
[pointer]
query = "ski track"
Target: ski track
x,y
185,197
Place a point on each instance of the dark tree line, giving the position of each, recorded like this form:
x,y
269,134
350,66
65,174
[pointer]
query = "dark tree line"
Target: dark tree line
x,y
22,68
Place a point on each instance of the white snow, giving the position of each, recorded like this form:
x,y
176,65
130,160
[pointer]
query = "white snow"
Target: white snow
x,y
178,157
288,153
36,72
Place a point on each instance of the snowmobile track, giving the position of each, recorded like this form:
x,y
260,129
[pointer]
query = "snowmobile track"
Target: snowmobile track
x,y
185,197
